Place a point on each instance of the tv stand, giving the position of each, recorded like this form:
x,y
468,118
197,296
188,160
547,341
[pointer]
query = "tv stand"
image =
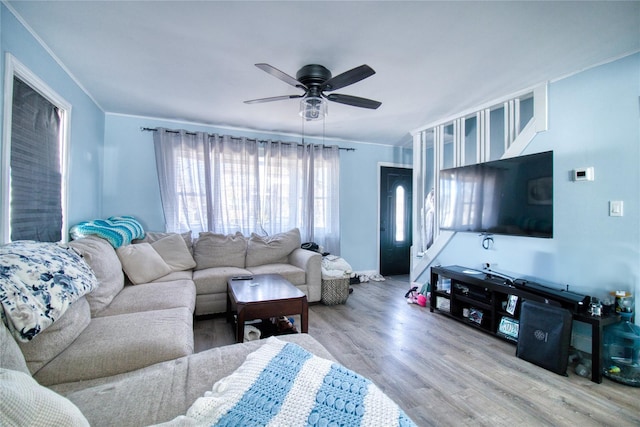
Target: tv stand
x,y
491,302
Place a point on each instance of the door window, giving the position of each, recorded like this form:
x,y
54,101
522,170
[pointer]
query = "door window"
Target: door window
x,y
399,214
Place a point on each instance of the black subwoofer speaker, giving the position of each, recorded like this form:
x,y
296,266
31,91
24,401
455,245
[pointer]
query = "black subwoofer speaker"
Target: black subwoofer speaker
x,y
544,336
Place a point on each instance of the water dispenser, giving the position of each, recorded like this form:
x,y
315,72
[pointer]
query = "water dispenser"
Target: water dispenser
x,y
621,354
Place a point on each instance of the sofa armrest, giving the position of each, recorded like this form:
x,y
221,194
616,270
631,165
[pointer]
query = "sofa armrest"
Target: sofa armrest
x,y
310,262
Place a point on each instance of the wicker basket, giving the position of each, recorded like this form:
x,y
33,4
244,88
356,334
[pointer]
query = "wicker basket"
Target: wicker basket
x,y
335,291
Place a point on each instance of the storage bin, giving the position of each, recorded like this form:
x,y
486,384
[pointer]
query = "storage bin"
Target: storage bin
x,y
335,290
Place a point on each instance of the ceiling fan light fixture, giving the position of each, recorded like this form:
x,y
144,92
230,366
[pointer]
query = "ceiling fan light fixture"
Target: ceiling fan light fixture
x,y
313,108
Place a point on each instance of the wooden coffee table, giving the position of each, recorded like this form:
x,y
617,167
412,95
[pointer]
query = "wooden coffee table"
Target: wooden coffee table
x,y
262,297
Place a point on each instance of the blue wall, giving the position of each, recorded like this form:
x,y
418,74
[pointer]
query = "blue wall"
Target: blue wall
x,y
112,163
87,119
359,175
593,121
131,182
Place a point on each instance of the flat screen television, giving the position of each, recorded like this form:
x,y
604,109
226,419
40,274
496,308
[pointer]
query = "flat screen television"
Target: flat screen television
x,y
511,196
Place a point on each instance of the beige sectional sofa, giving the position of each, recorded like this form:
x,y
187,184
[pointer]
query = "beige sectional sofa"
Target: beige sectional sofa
x,y
123,353
115,328
142,311
210,259
219,257
153,394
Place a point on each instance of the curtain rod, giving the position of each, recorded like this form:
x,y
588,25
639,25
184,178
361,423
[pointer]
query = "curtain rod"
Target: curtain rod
x,y
143,129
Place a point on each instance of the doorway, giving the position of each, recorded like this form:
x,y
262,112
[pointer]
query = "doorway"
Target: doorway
x,y
395,220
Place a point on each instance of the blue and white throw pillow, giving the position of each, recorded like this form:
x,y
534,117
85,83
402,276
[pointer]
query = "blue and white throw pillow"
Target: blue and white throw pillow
x,y
38,282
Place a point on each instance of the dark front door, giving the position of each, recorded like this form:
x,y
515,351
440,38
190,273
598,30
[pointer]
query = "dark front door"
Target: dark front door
x,y
395,220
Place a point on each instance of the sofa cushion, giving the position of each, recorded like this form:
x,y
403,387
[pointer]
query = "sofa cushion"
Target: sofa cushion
x,y
271,249
161,392
38,283
24,402
154,236
174,251
104,262
115,344
153,296
218,250
142,263
214,279
176,275
47,345
11,356
295,275
211,304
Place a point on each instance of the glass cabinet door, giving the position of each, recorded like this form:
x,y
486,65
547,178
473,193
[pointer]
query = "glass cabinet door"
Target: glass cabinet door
x,y
496,149
470,141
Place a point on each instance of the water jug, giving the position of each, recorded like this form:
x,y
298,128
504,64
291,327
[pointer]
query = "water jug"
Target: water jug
x,y
621,352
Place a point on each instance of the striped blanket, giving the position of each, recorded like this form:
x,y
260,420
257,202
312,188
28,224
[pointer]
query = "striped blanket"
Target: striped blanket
x,y
282,384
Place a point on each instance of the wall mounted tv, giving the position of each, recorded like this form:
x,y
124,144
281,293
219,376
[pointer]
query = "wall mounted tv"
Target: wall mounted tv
x,y
511,196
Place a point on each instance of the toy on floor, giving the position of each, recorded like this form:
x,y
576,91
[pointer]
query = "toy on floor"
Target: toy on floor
x,y
412,295
415,297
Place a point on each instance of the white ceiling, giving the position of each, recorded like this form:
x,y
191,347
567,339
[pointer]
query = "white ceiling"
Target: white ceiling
x,y
194,61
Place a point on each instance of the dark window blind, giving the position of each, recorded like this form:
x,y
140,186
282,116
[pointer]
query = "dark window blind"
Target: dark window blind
x,y
36,175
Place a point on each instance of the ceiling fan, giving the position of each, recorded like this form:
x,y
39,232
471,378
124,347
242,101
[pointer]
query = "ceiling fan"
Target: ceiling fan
x,y
315,80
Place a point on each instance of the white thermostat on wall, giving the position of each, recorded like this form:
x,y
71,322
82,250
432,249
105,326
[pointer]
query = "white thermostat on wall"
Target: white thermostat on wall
x,y
583,174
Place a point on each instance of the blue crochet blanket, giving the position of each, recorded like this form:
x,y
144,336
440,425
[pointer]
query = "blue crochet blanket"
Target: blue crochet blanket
x,y
282,384
117,230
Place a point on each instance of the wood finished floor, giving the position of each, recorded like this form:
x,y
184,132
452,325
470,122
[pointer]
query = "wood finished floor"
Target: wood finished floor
x,y
444,373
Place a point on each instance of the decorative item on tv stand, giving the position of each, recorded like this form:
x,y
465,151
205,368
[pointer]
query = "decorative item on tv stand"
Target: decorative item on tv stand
x,y
622,344
595,307
623,303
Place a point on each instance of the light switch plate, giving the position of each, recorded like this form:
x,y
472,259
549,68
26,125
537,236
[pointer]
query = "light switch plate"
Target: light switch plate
x,y
616,208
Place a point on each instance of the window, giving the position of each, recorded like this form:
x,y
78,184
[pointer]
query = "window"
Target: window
x,y
34,178
226,184
399,214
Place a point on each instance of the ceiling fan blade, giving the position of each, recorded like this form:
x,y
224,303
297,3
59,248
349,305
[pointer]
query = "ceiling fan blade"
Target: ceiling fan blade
x,y
273,98
354,101
348,77
280,75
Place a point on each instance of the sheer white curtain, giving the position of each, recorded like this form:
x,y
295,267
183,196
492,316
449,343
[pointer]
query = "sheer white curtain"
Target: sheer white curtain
x,y
226,184
285,180
326,198
183,178
235,187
